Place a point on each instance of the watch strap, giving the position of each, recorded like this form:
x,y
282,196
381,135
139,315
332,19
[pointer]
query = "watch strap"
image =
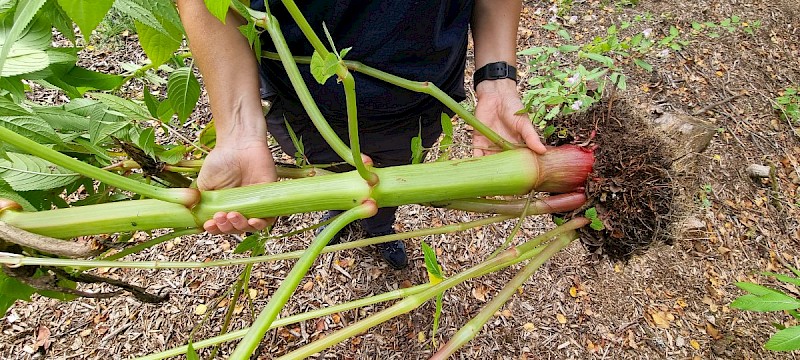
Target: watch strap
x,y
494,71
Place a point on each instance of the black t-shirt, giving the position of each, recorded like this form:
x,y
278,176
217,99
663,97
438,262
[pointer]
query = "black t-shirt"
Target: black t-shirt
x,y
421,40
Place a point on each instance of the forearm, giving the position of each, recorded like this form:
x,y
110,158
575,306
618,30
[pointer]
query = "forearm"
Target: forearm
x,y
494,31
230,73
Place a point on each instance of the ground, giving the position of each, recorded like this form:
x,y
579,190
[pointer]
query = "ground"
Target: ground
x,y
665,301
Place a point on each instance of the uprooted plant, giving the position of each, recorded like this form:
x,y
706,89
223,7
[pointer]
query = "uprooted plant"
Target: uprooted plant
x,y
49,151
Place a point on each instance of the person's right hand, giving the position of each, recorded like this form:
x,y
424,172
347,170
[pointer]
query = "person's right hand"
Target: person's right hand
x,y
233,166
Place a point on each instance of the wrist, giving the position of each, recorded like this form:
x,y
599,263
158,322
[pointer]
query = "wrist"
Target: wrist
x,y
495,87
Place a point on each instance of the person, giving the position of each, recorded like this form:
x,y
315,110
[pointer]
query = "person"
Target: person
x,y
424,40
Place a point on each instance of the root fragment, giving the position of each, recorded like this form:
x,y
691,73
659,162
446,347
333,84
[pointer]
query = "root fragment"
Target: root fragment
x,y
44,244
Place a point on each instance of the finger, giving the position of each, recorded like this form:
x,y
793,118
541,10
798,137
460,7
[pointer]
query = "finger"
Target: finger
x,y
260,224
211,226
529,134
479,142
239,222
221,219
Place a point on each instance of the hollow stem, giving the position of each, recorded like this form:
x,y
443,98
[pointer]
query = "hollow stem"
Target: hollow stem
x,y
421,87
185,197
256,333
473,327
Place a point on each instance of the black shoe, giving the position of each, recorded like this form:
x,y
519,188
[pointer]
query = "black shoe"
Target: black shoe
x,y
393,252
336,238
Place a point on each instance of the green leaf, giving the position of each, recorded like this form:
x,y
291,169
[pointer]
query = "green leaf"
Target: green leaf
x,y
124,106
432,264
8,107
26,172
6,6
150,102
190,353
56,15
173,154
86,13
784,278
85,78
6,192
785,340
605,60
564,34
31,127
254,242
763,299
147,141
344,52
323,68
417,151
447,140
158,46
643,64
218,8
62,120
139,12
183,91
26,10
12,290
23,51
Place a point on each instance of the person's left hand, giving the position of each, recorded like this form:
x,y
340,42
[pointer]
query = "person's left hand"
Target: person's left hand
x,y
498,103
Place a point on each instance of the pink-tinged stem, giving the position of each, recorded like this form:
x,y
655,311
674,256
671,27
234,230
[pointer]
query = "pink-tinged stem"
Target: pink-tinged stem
x,y
564,169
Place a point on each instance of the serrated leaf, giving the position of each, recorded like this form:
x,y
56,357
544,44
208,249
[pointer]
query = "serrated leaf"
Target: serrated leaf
x,y
87,14
784,278
597,224
322,68
124,106
147,141
140,13
24,14
12,290
151,102
218,8
31,127
26,52
8,108
173,154
183,91
56,16
104,124
26,172
62,120
164,111
787,339
766,302
254,242
85,78
158,46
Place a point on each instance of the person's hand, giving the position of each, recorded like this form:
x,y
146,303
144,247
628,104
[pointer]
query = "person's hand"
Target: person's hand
x,y
233,166
498,103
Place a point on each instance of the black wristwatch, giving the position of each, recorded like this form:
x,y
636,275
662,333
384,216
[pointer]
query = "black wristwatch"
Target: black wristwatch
x,y
494,71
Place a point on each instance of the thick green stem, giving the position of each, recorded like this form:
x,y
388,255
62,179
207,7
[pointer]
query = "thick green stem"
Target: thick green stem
x,y
273,28
421,87
352,126
12,260
185,197
468,331
250,342
513,172
388,296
